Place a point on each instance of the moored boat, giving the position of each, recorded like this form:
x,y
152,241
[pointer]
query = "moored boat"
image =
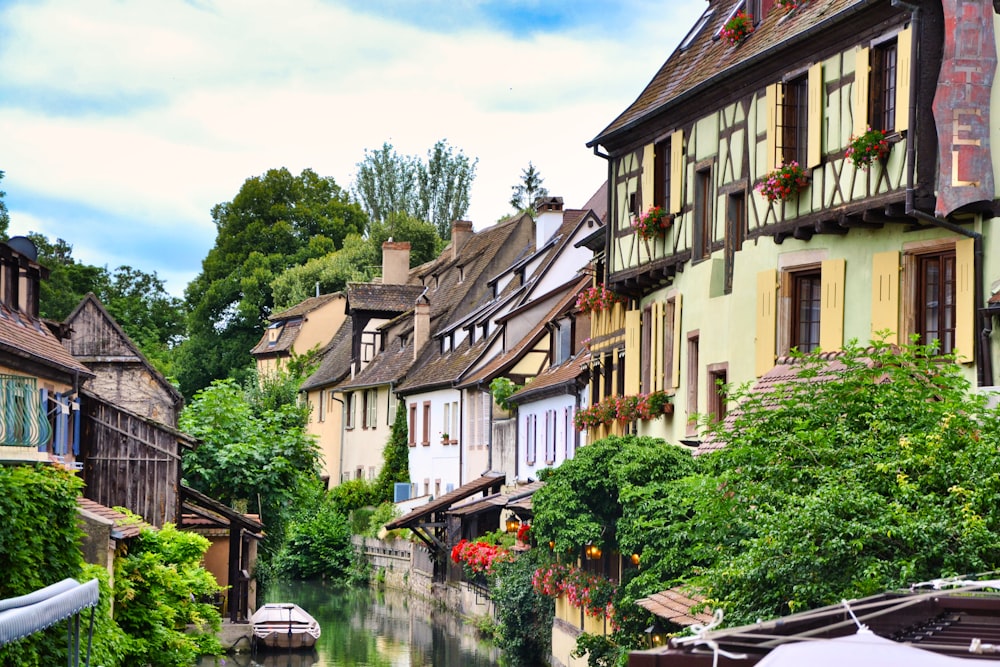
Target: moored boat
x,y
284,625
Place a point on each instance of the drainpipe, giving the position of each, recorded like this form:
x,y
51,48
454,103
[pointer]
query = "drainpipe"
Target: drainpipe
x,y
343,419
984,369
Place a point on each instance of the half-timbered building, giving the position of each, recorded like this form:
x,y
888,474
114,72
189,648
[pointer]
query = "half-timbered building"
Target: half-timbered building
x,y
745,218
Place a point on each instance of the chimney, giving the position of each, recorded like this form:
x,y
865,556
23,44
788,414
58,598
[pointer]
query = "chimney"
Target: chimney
x,y
461,231
548,218
395,262
421,324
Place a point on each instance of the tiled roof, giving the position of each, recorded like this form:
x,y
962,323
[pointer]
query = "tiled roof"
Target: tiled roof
x,y
335,359
26,336
304,307
675,606
598,202
286,338
697,68
480,485
381,297
553,377
436,369
388,366
125,525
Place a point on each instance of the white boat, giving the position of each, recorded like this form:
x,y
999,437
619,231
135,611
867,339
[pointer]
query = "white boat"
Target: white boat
x,y
284,625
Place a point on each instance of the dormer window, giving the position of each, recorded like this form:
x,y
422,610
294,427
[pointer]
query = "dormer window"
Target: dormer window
x,y
461,274
696,30
273,332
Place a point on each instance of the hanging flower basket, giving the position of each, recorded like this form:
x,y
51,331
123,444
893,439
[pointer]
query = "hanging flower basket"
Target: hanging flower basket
x,y
624,409
784,183
597,298
654,222
865,149
737,28
789,5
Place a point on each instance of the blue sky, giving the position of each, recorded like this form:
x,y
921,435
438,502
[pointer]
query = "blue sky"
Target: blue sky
x,y
123,122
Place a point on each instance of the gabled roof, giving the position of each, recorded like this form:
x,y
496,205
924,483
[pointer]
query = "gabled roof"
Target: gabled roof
x,y
553,380
305,307
691,72
436,369
28,338
489,480
381,297
289,331
335,359
92,302
387,367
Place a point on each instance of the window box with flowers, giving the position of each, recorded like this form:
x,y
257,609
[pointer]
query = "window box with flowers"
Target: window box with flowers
x,y
868,147
737,28
784,183
592,593
789,5
653,223
597,298
478,557
643,407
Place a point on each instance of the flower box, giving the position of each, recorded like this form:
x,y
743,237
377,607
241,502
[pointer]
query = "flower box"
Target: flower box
x,y
737,28
597,298
654,222
867,148
784,183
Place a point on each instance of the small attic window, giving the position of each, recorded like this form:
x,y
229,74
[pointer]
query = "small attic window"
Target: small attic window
x,y
690,37
273,332
461,274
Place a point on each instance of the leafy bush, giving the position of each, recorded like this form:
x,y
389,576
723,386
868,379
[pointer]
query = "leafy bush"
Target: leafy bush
x,y
524,631
318,546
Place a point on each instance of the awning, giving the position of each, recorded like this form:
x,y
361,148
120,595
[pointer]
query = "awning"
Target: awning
x,y
27,614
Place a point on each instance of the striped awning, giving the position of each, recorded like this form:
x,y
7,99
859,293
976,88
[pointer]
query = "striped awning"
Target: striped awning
x,y
27,614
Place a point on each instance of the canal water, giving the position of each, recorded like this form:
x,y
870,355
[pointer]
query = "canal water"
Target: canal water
x,y
365,627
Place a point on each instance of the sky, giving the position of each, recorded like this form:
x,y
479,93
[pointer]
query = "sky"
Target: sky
x,y
123,122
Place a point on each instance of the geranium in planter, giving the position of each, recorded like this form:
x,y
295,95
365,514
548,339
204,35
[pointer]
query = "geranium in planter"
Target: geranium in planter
x,y
785,182
596,298
654,222
737,28
868,147
789,5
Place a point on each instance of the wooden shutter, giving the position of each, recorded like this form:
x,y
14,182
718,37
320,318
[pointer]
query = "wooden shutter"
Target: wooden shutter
x,y
648,183
675,358
831,318
771,94
646,358
814,145
676,171
861,90
885,294
965,310
633,347
656,347
904,54
766,341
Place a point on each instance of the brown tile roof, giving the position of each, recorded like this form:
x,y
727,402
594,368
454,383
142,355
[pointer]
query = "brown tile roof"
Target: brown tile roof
x,y
598,202
698,68
25,336
286,337
335,359
675,606
124,524
552,378
387,367
436,369
381,297
304,307
482,484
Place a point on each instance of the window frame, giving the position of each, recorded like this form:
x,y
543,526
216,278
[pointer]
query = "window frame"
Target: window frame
x,y
882,83
949,294
798,281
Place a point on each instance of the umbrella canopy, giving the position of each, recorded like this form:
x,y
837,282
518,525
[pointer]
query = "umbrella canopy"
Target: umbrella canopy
x,y
862,649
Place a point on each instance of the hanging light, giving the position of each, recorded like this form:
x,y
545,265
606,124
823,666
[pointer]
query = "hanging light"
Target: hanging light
x,y
635,559
513,524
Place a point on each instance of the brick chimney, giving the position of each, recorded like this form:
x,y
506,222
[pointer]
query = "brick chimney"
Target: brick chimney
x,y
395,262
461,231
548,218
421,324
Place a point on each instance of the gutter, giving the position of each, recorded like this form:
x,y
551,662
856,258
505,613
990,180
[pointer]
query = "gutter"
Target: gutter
x,y
984,369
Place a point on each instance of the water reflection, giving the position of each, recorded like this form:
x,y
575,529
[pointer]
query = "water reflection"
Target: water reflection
x,y
363,627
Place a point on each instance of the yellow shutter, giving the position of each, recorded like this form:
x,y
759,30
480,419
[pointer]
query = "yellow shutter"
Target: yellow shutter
x,y
633,348
767,292
904,51
771,103
831,317
965,310
675,370
860,94
648,177
656,347
885,294
676,171
814,141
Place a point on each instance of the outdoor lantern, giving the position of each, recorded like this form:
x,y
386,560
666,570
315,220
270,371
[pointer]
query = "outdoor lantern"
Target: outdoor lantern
x,y
654,635
512,525
592,551
635,560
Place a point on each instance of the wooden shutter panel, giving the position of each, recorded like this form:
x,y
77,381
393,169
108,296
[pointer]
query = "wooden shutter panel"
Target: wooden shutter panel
x,y
861,90
675,370
965,311
904,54
676,171
633,347
655,325
831,318
648,183
771,108
814,146
885,294
767,293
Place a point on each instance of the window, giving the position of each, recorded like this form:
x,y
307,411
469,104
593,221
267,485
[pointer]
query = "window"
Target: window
x,y
321,416
692,381
661,175
550,437
455,426
935,300
567,433
413,424
646,357
620,384
703,232
736,220
806,307
445,421
349,410
717,377
608,368
390,414
882,87
369,419
427,424
669,328
791,139
530,438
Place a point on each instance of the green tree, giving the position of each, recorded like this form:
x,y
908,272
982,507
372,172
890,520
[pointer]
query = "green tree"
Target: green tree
x,y
69,280
395,457
528,190
274,222
435,190
356,261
